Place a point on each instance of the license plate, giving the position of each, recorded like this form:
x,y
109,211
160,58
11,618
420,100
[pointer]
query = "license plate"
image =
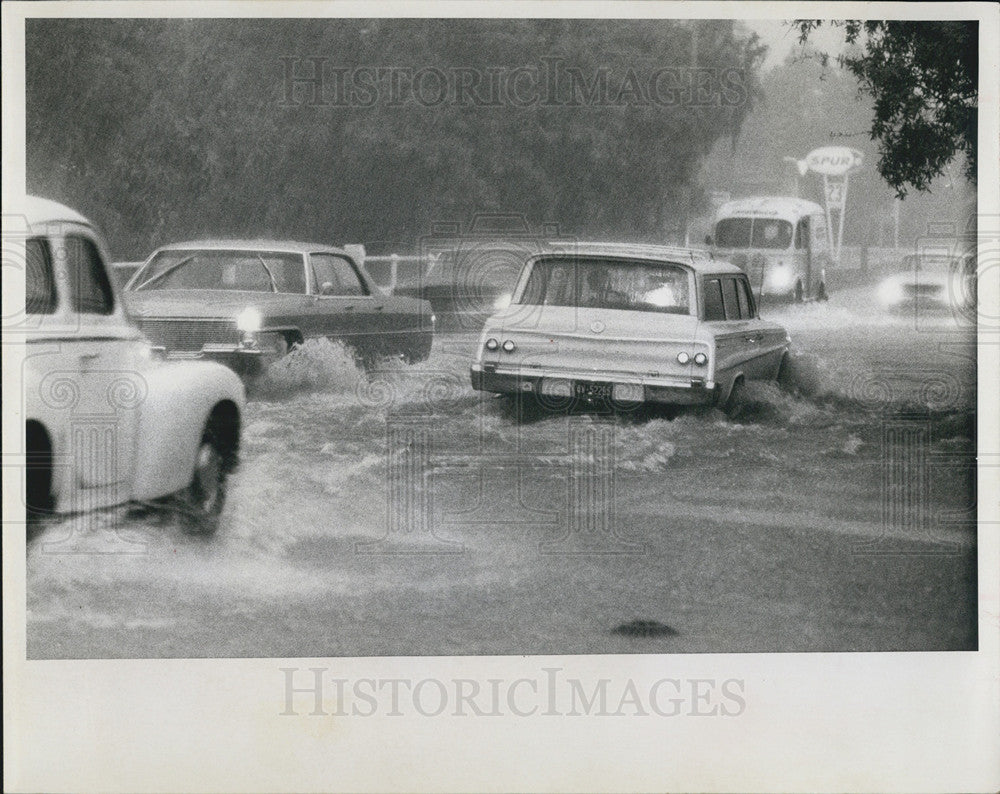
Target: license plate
x,y
592,391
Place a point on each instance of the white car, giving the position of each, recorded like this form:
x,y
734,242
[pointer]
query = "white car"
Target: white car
x,y
931,282
107,421
629,324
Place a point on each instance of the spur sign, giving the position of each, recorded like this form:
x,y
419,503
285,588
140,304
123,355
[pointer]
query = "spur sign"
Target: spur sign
x,y
833,160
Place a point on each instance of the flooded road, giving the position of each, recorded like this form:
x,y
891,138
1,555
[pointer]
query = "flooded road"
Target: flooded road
x,y
402,513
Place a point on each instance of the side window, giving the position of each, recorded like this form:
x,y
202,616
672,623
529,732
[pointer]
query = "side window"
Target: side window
x,y
746,300
714,307
91,289
335,275
802,234
731,300
39,280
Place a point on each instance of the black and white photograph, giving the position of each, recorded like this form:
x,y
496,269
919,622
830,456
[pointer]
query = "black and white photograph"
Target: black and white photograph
x,y
384,386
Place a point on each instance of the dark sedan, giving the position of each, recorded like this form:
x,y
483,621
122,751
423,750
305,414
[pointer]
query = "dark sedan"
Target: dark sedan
x,y
247,303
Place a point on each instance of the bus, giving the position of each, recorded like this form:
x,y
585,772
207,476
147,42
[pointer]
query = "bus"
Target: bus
x,y
779,242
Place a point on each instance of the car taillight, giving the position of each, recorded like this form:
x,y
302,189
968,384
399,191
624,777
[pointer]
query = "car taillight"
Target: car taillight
x,y
509,346
700,359
683,358
492,344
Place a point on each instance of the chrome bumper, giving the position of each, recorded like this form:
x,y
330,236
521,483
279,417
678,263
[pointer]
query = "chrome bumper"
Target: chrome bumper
x,y
675,391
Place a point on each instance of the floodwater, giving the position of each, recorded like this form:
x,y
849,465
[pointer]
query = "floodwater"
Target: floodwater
x,y
401,513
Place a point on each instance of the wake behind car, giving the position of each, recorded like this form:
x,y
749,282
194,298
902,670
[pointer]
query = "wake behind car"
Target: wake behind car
x,y
106,421
246,303
629,324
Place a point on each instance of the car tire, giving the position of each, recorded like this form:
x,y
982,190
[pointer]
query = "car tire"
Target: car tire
x,y
38,474
821,292
205,497
797,295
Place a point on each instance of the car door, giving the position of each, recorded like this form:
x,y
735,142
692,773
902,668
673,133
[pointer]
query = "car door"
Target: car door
x,y
111,374
346,309
766,341
88,373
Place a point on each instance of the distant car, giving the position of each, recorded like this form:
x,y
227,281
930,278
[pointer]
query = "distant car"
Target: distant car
x,y
106,422
932,282
246,303
468,281
123,271
629,324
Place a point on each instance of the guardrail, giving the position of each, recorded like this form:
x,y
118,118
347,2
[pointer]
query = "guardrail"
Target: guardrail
x,y
395,260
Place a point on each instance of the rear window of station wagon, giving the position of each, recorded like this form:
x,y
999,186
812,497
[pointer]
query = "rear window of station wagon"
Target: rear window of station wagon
x,y
609,284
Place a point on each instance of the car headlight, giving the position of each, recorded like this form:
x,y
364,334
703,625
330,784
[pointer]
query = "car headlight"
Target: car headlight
x,y
890,291
491,344
780,277
248,321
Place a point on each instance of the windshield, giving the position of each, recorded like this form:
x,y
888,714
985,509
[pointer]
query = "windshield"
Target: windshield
x,y
753,233
249,271
608,284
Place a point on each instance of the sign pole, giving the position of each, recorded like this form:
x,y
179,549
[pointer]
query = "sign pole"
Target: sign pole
x,y
826,205
840,220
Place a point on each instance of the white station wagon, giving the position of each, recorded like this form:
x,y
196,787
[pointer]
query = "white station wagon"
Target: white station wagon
x,y
107,421
629,324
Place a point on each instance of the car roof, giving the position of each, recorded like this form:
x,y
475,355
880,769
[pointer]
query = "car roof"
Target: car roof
x,y
698,260
284,246
39,210
779,206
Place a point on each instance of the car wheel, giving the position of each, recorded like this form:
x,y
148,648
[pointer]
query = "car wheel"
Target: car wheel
x,y
38,474
798,292
821,292
206,495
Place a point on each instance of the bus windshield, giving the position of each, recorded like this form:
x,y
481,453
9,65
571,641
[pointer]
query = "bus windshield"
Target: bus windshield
x,y
753,233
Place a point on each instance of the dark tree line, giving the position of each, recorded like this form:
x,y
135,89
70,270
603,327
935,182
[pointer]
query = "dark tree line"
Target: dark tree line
x,y
162,130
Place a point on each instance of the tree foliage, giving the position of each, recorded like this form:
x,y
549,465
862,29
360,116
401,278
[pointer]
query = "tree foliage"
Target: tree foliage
x,y
168,129
923,77
802,106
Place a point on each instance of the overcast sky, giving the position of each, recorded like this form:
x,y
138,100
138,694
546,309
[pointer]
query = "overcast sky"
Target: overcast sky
x,y
781,38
